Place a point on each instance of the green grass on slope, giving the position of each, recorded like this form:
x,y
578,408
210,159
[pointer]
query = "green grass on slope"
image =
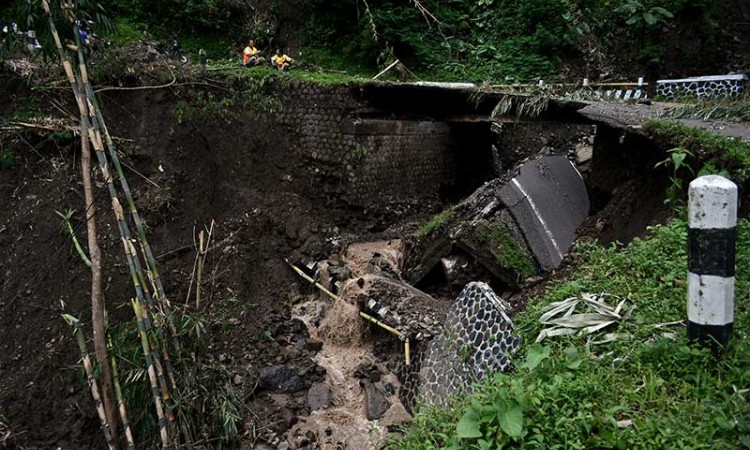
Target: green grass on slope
x,y
651,391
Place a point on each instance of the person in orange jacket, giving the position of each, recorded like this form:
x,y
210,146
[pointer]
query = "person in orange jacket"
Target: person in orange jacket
x,y
281,61
251,55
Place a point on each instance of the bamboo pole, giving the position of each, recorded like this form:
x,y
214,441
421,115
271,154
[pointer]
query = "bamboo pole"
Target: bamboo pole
x,y
164,370
311,281
136,272
140,229
120,399
90,379
201,260
155,391
69,228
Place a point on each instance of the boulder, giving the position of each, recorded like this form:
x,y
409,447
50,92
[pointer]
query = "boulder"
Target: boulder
x,y
281,378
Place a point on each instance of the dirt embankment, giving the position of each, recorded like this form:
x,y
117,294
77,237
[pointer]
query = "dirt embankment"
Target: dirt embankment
x,y
244,175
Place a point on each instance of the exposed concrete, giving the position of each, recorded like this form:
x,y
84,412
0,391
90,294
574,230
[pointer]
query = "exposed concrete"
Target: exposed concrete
x,y
548,200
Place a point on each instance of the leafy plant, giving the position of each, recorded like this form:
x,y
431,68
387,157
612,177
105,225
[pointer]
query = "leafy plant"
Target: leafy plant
x,y
723,153
67,227
677,162
638,14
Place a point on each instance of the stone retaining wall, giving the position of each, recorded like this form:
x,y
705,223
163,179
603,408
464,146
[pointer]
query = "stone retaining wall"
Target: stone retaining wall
x,y
363,159
703,87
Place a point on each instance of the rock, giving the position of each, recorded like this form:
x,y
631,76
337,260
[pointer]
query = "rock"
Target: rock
x,y
237,380
288,417
281,378
313,345
319,396
396,415
584,153
376,403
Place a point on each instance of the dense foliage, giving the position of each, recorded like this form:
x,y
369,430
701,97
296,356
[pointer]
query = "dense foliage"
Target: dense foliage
x,y
473,40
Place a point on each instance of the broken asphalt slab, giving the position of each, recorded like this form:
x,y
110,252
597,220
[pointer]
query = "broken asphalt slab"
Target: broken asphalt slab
x,y
548,200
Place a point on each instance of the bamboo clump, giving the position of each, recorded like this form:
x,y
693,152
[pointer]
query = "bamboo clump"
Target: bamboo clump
x,y
146,280
90,379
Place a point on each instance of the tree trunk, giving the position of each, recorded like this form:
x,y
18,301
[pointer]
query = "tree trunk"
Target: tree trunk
x,y
97,291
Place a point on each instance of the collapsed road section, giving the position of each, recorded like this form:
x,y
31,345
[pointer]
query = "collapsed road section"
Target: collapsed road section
x,y
423,348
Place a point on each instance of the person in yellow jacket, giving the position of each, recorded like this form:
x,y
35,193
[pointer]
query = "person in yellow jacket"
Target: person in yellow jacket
x,y
281,61
251,55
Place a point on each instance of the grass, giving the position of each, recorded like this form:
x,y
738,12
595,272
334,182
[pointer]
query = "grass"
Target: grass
x,y
509,253
653,390
435,223
730,154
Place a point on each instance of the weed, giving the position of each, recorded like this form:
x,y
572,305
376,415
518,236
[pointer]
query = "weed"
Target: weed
x,y
732,109
717,152
677,162
208,406
361,152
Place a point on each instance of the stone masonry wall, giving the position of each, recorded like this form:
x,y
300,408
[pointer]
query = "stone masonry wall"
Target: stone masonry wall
x,y
364,160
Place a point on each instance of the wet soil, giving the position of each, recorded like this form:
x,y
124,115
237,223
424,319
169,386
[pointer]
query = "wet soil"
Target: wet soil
x,y
184,176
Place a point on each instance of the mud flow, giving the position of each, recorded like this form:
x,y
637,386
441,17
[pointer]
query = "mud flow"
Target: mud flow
x,y
419,222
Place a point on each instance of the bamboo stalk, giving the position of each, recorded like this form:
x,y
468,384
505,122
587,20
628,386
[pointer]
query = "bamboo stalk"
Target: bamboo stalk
x,y
69,228
137,272
97,306
94,135
201,260
120,399
155,392
93,118
311,281
90,379
140,229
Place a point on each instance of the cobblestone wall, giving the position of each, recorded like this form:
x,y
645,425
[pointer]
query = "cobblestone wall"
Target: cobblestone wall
x,y
702,87
361,158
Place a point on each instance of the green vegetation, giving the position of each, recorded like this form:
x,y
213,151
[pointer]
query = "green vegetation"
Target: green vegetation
x,y
208,406
715,152
252,93
468,40
676,161
646,389
7,158
509,253
434,224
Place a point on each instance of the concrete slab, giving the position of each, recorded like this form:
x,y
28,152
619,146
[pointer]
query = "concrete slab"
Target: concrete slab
x,y
548,200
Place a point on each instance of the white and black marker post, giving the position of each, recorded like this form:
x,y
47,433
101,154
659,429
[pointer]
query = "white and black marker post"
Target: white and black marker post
x,y
712,235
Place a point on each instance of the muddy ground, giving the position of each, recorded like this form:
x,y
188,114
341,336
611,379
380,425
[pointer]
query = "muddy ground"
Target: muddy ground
x,y
244,176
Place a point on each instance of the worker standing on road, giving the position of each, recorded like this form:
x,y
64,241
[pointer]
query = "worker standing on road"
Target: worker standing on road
x,y
281,61
251,55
